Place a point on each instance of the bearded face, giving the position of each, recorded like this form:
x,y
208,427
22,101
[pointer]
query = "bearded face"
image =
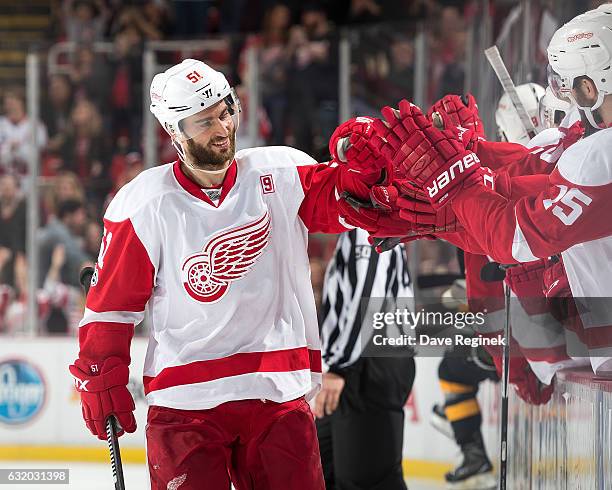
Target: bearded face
x,y
214,154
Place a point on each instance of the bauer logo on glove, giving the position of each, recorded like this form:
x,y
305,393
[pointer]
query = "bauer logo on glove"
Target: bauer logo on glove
x,y
455,170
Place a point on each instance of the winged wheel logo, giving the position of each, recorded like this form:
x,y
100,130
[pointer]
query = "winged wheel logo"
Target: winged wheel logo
x,y
227,257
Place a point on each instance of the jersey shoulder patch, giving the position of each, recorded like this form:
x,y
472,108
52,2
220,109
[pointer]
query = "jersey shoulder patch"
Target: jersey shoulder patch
x,y
146,187
589,161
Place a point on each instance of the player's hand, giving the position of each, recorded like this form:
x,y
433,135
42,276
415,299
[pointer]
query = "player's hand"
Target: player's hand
x,y
355,145
103,390
431,159
531,390
527,385
415,208
378,213
326,401
453,111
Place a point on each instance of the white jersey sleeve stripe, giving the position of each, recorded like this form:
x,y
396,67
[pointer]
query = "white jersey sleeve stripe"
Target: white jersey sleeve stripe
x,y
520,248
131,317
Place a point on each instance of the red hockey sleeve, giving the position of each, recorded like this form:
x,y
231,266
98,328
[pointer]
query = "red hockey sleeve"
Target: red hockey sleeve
x,y
462,240
319,209
513,188
545,223
120,288
515,159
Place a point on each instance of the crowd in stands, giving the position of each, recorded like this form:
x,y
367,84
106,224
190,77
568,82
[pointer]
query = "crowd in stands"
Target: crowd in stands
x,y
91,114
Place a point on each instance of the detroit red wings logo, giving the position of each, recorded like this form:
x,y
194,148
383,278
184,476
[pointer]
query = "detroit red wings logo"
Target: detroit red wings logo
x,y
227,257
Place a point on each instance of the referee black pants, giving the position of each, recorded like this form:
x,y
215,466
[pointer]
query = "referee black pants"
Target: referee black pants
x,y
361,442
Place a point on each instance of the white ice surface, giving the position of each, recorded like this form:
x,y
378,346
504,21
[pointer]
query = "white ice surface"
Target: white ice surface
x,y
97,476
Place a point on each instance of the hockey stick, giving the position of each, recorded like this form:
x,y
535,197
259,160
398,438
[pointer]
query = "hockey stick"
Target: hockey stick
x,y
489,273
111,422
499,67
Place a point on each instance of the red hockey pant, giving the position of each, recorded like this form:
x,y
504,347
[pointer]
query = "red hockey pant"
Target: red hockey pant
x,y
255,444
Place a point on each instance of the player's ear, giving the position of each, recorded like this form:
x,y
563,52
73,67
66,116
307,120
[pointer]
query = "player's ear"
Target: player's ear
x,y
590,88
586,88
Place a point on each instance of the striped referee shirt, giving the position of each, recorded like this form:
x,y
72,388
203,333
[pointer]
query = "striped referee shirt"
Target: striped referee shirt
x,y
357,272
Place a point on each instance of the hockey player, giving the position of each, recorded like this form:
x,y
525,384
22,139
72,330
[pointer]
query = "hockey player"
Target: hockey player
x,y
509,125
214,246
461,371
552,110
569,214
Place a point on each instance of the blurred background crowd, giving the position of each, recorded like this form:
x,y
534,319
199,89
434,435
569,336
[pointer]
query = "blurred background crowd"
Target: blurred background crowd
x,y
90,129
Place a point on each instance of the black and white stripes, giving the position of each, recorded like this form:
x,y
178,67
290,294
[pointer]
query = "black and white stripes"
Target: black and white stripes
x,y
357,272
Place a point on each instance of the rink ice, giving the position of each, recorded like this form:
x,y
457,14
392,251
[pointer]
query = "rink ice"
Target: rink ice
x,y
97,476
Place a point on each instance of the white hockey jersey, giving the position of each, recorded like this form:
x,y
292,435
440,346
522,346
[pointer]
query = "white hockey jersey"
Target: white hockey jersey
x,y
227,286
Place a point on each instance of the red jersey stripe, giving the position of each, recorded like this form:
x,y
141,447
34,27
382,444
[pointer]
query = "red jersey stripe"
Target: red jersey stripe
x,y
242,363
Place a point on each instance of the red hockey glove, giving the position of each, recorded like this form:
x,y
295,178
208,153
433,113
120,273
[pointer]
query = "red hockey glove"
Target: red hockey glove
x,y
354,144
527,282
431,159
384,244
531,390
415,208
104,394
526,383
458,111
368,216
559,299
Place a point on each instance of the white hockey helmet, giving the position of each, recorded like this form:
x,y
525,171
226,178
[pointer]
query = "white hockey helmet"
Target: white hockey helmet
x,y
509,125
582,47
187,89
552,109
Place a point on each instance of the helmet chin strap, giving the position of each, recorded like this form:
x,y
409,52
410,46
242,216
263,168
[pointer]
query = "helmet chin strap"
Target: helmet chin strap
x,y
588,111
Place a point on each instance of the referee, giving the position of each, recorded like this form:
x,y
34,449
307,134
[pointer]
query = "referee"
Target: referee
x,y
359,410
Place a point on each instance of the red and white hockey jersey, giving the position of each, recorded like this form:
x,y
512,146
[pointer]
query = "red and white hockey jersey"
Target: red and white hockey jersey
x,y
569,215
227,286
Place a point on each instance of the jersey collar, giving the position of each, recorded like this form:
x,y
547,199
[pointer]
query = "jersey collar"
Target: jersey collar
x,y
194,189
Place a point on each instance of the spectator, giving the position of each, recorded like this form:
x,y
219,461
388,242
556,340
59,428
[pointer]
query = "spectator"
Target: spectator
x,y
126,86
85,20
56,110
364,11
400,79
149,20
232,15
192,18
67,230
90,76
314,78
15,127
66,185
274,65
93,237
449,71
86,150
12,230
124,169
55,292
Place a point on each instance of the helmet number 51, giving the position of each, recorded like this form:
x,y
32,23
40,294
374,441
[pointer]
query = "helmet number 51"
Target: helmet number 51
x,y
194,77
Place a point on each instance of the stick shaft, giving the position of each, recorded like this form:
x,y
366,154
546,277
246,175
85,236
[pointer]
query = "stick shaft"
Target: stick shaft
x,y
111,422
503,453
499,67
115,453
